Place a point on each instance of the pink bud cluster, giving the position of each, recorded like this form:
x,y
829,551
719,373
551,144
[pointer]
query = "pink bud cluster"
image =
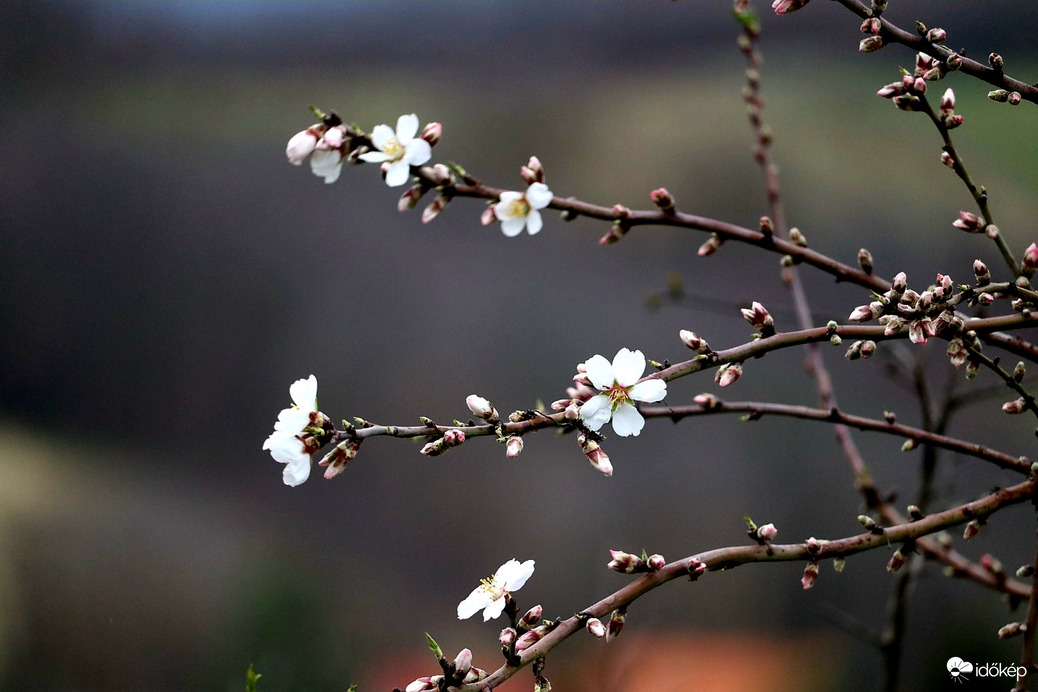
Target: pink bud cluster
x,y
925,314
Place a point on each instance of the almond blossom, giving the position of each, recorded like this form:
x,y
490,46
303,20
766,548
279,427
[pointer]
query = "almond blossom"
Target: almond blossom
x,y
492,593
519,210
287,444
400,149
620,388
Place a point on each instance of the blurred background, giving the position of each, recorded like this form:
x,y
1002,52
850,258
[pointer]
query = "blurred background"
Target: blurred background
x,y
165,275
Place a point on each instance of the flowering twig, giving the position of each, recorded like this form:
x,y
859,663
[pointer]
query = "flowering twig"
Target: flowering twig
x,y
727,558
891,33
759,409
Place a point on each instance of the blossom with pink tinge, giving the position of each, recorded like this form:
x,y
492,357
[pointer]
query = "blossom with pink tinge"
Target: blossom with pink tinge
x,y
519,210
399,148
492,593
810,575
620,387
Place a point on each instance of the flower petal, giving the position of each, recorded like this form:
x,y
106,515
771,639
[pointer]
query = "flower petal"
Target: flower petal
x,y
538,195
374,156
649,391
381,136
473,603
418,152
513,226
627,421
326,164
534,223
595,412
304,393
493,609
517,574
406,128
398,173
599,371
628,367
296,472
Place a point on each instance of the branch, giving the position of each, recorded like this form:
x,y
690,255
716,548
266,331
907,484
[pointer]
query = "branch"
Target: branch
x,y
731,557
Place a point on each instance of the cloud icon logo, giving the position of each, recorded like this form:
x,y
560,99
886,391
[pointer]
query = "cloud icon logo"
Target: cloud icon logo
x,y
958,668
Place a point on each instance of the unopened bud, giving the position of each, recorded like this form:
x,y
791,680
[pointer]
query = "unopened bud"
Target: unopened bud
x,y
869,45
302,144
488,216
533,171
656,562
694,341
897,560
595,454
996,62
865,260
616,623
1011,630
507,637
969,222
915,513
1014,98
1031,257
948,101
981,272
1025,572
663,199
513,446
706,401
767,532
1000,95
337,459
936,35
868,522
909,445
759,317
728,373
423,684
810,575
712,245
1019,371
530,638
481,408
839,564
1015,406
531,617
431,133
595,627
972,368
992,564
616,231
991,231
625,562
972,529
463,663
409,199
870,26
434,209
947,159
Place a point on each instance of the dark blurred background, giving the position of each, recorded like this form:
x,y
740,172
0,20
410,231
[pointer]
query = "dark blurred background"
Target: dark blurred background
x,y
165,275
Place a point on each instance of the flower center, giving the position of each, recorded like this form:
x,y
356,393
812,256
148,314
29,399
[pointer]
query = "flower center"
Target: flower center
x,y
393,149
617,395
519,209
490,586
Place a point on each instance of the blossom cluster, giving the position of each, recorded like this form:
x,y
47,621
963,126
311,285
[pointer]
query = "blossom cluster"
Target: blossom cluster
x,y
298,432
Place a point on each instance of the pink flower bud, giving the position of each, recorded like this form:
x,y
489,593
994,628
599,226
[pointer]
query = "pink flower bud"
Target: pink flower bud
x,y
787,6
972,529
333,137
301,145
595,627
431,133
463,662
1011,630
862,313
694,341
992,564
767,532
953,120
1031,257
434,209
533,171
488,216
625,562
663,199
810,575
891,90
1015,406
530,638
453,437
947,159
423,684
948,101
728,373
337,459
870,26
481,408
531,617
869,45
409,199
712,245
936,35
656,562
595,454
759,317
513,447
897,560
616,623
1014,98
507,637
706,401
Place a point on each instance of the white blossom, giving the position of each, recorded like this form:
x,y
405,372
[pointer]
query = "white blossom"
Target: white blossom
x,y
620,388
490,595
286,443
519,210
401,149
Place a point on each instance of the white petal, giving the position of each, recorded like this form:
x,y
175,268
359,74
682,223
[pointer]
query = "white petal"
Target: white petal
x,y
292,420
326,164
517,574
300,146
534,223
398,173
381,136
627,421
599,371
475,602
538,195
649,391
418,152
513,226
493,609
596,411
507,198
297,472
628,367
304,393
406,127
374,157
